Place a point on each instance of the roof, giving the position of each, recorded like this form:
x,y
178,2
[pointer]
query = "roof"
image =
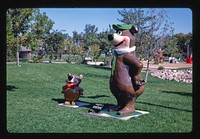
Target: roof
x,y
88,58
24,49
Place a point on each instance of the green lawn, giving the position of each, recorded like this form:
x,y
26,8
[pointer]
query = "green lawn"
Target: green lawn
x,y
34,91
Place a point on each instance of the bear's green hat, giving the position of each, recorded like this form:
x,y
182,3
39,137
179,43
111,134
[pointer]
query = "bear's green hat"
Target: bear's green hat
x,y
122,27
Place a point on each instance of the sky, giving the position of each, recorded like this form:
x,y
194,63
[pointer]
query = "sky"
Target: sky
x,y
71,19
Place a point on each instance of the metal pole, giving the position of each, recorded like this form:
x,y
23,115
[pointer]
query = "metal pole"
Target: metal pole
x,y
187,50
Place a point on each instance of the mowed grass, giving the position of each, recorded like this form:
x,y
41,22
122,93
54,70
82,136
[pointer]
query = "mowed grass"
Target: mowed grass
x,y
34,92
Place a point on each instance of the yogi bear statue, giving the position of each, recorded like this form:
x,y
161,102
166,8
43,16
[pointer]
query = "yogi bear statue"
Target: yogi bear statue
x,y
126,83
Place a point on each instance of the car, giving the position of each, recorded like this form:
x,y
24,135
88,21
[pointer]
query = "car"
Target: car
x,y
95,63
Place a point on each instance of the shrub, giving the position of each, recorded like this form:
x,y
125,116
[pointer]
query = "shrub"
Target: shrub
x,y
37,59
160,68
73,59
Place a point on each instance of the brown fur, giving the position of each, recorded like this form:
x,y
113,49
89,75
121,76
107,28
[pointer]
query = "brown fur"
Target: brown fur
x,y
126,82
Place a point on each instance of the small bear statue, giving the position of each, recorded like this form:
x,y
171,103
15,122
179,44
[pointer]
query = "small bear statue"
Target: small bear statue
x,y
71,90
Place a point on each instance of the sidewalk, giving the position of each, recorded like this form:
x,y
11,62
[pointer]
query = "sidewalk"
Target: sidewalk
x,y
166,65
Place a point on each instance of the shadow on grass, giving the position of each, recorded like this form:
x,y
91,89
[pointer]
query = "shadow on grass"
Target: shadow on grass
x,y
88,104
158,105
178,93
11,88
99,67
59,100
97,96
96,76
102,67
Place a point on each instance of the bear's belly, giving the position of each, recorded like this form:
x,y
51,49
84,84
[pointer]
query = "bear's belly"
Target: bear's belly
x,y
121,79
71,94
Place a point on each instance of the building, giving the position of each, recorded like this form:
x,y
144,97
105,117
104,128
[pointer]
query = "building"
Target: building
x,y
24,53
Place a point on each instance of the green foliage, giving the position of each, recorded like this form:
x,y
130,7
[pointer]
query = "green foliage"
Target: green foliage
x,y
170,47
55,42
95,51
161,68
25,27
90,38
34,91
28,27
182,41
18,22
152,25
39,31
37,59
73,59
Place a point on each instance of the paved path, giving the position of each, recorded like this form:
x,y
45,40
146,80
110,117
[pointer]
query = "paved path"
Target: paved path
x,y
166,65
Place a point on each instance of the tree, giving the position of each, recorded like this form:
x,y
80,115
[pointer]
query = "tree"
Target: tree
x,y
103,43
10,39
76,38
95,51
18,21
170,47
183,40
26,26
55,43
153,26
90,36
39,31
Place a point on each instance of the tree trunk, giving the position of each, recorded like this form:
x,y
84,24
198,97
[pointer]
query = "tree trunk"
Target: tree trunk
x,y
17,54
147,71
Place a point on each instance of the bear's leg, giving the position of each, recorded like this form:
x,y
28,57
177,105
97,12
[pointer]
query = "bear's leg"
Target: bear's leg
x,y
115,108
118,106
67,102
128,108
128,104
115,93
72,102
128,101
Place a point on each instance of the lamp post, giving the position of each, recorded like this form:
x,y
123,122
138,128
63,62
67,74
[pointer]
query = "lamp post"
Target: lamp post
x,y
187,50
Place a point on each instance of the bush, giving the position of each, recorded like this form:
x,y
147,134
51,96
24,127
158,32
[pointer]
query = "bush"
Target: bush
x,y
37,59
10,56
73,59
160,68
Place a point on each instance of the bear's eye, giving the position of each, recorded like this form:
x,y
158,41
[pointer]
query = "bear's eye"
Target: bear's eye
x,y
119,33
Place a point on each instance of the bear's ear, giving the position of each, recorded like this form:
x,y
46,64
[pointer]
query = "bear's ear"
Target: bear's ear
x,y
80,76
134,29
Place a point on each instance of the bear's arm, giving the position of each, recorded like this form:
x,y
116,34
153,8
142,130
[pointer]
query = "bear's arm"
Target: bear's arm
x,y
131,60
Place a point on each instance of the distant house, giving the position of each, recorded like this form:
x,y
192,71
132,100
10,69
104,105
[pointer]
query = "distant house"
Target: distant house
x,y
24,53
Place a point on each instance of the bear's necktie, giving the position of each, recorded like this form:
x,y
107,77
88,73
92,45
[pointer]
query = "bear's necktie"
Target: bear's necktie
x,y
113,64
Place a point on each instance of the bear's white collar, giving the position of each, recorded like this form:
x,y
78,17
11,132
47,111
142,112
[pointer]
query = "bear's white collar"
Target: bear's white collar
x,y
124,51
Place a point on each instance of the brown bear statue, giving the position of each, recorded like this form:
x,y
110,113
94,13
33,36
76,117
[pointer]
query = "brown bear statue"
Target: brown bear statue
x,y
126,83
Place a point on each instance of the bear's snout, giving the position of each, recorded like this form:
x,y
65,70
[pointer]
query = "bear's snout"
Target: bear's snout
x,y
110,37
